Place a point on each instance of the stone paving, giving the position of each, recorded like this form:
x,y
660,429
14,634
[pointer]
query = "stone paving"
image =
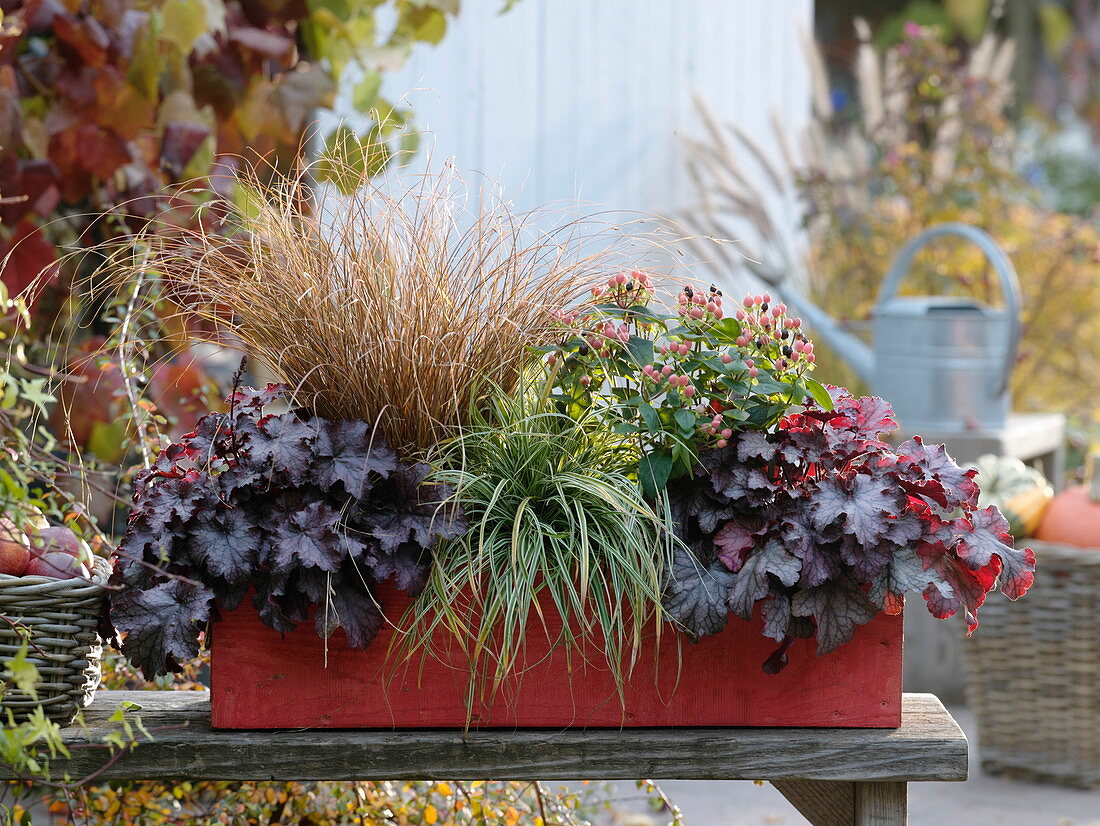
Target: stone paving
x,y
980,801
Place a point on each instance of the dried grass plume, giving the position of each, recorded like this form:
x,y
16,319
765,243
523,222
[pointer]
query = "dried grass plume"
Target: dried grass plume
x,y
399,303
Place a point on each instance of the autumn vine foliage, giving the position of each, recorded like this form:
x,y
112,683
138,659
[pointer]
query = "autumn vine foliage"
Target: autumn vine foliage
x,y
106,104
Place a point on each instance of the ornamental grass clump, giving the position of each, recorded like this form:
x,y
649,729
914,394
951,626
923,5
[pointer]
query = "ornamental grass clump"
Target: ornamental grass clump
x,y
555,523
398,302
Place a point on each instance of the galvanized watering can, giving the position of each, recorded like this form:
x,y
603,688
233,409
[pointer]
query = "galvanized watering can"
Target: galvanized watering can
x,y
944,363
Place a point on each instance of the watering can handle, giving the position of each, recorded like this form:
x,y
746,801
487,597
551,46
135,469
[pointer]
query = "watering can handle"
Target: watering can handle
x,y
1010,284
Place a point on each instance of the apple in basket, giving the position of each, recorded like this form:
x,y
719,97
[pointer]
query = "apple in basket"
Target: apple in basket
x,y
57,552
14,553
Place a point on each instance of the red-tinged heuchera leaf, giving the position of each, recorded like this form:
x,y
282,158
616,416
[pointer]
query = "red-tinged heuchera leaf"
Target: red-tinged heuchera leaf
x,y
305,511
823,519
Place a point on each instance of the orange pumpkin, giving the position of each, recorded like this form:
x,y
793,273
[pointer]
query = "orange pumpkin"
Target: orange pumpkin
x,y
1073,517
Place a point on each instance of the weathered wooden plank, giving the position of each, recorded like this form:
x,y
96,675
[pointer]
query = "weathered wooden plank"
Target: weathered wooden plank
x,y
928,746
881,804
823,803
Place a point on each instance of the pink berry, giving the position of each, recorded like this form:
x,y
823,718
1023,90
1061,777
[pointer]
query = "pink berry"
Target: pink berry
x,y
753,372
740,315
809,348
788,323
621,278
666,369
742,341
697,312
712,307
747,301
810,358
681,299
776,312
767,298
726,358
689,391
585,381
552,360
799,346
727,433
698,298
716,421
750,362
782,307
663,350
719,313
721,443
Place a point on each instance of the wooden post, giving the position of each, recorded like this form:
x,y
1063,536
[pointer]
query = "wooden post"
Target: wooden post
x,y
880,804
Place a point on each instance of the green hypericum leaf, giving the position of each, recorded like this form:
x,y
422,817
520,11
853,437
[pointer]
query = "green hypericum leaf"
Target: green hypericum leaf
x,y
653,473
640,350
650,417
817,390
686,420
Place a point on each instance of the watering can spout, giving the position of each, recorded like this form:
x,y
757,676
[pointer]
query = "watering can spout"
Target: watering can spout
x,y
824,327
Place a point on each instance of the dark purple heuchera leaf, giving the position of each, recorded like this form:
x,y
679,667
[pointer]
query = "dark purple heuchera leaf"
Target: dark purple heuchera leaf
x,y
161,623
307,535
752,582
837,607
354,457
776,613
696,597
282,443
225,542
860,504
344,602
261,500
824,517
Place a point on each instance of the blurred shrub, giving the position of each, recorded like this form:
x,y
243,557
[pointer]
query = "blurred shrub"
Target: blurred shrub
x,y
931,143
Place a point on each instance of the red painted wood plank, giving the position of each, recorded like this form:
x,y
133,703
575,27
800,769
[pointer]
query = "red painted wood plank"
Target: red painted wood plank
x,y
262,679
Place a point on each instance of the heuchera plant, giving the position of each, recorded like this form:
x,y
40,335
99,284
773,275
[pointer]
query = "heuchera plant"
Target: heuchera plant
x,y
680,381
301,510
828,525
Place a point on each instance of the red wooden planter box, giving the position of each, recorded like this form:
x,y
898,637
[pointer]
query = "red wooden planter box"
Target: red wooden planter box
x,y
263,679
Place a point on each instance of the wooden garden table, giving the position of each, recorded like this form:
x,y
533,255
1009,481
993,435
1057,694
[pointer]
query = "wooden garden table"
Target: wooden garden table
x,y
835,777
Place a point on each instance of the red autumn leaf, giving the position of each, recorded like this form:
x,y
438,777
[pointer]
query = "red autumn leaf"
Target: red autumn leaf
x,y
85,36
27,255
180,143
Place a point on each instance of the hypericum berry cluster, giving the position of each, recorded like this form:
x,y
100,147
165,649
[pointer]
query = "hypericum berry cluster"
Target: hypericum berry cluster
x,y
667,374
764,326
697,308
626,289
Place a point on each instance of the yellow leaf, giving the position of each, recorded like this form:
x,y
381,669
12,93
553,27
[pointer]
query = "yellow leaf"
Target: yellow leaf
x,y
443,788
511,816
430,814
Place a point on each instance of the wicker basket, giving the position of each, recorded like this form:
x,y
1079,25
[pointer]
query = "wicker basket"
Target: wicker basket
x,y
62,615
1035,673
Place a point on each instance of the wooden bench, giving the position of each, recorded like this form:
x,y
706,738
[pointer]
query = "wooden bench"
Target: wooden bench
x,y
835,777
